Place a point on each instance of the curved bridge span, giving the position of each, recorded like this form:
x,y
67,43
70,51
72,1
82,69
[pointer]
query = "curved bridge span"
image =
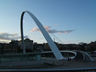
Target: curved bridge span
x,y
52,45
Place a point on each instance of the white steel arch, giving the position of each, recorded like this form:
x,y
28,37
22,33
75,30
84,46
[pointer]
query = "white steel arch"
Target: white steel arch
x,y
52,45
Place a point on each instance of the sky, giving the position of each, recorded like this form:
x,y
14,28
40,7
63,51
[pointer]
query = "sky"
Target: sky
x,y
75,19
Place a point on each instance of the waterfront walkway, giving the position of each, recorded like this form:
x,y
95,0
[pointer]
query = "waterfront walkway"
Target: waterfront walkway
x,y
49,65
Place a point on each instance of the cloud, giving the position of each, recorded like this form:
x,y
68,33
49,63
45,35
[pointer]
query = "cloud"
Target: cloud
x,y
37,29
48,29
8,36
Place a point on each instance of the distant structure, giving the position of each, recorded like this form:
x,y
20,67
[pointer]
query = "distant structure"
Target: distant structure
x,y
27,43
52,45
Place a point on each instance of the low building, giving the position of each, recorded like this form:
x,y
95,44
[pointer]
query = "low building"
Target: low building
x,y
28,44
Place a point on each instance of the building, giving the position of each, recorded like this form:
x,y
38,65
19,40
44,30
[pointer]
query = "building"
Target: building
x,y
28,44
